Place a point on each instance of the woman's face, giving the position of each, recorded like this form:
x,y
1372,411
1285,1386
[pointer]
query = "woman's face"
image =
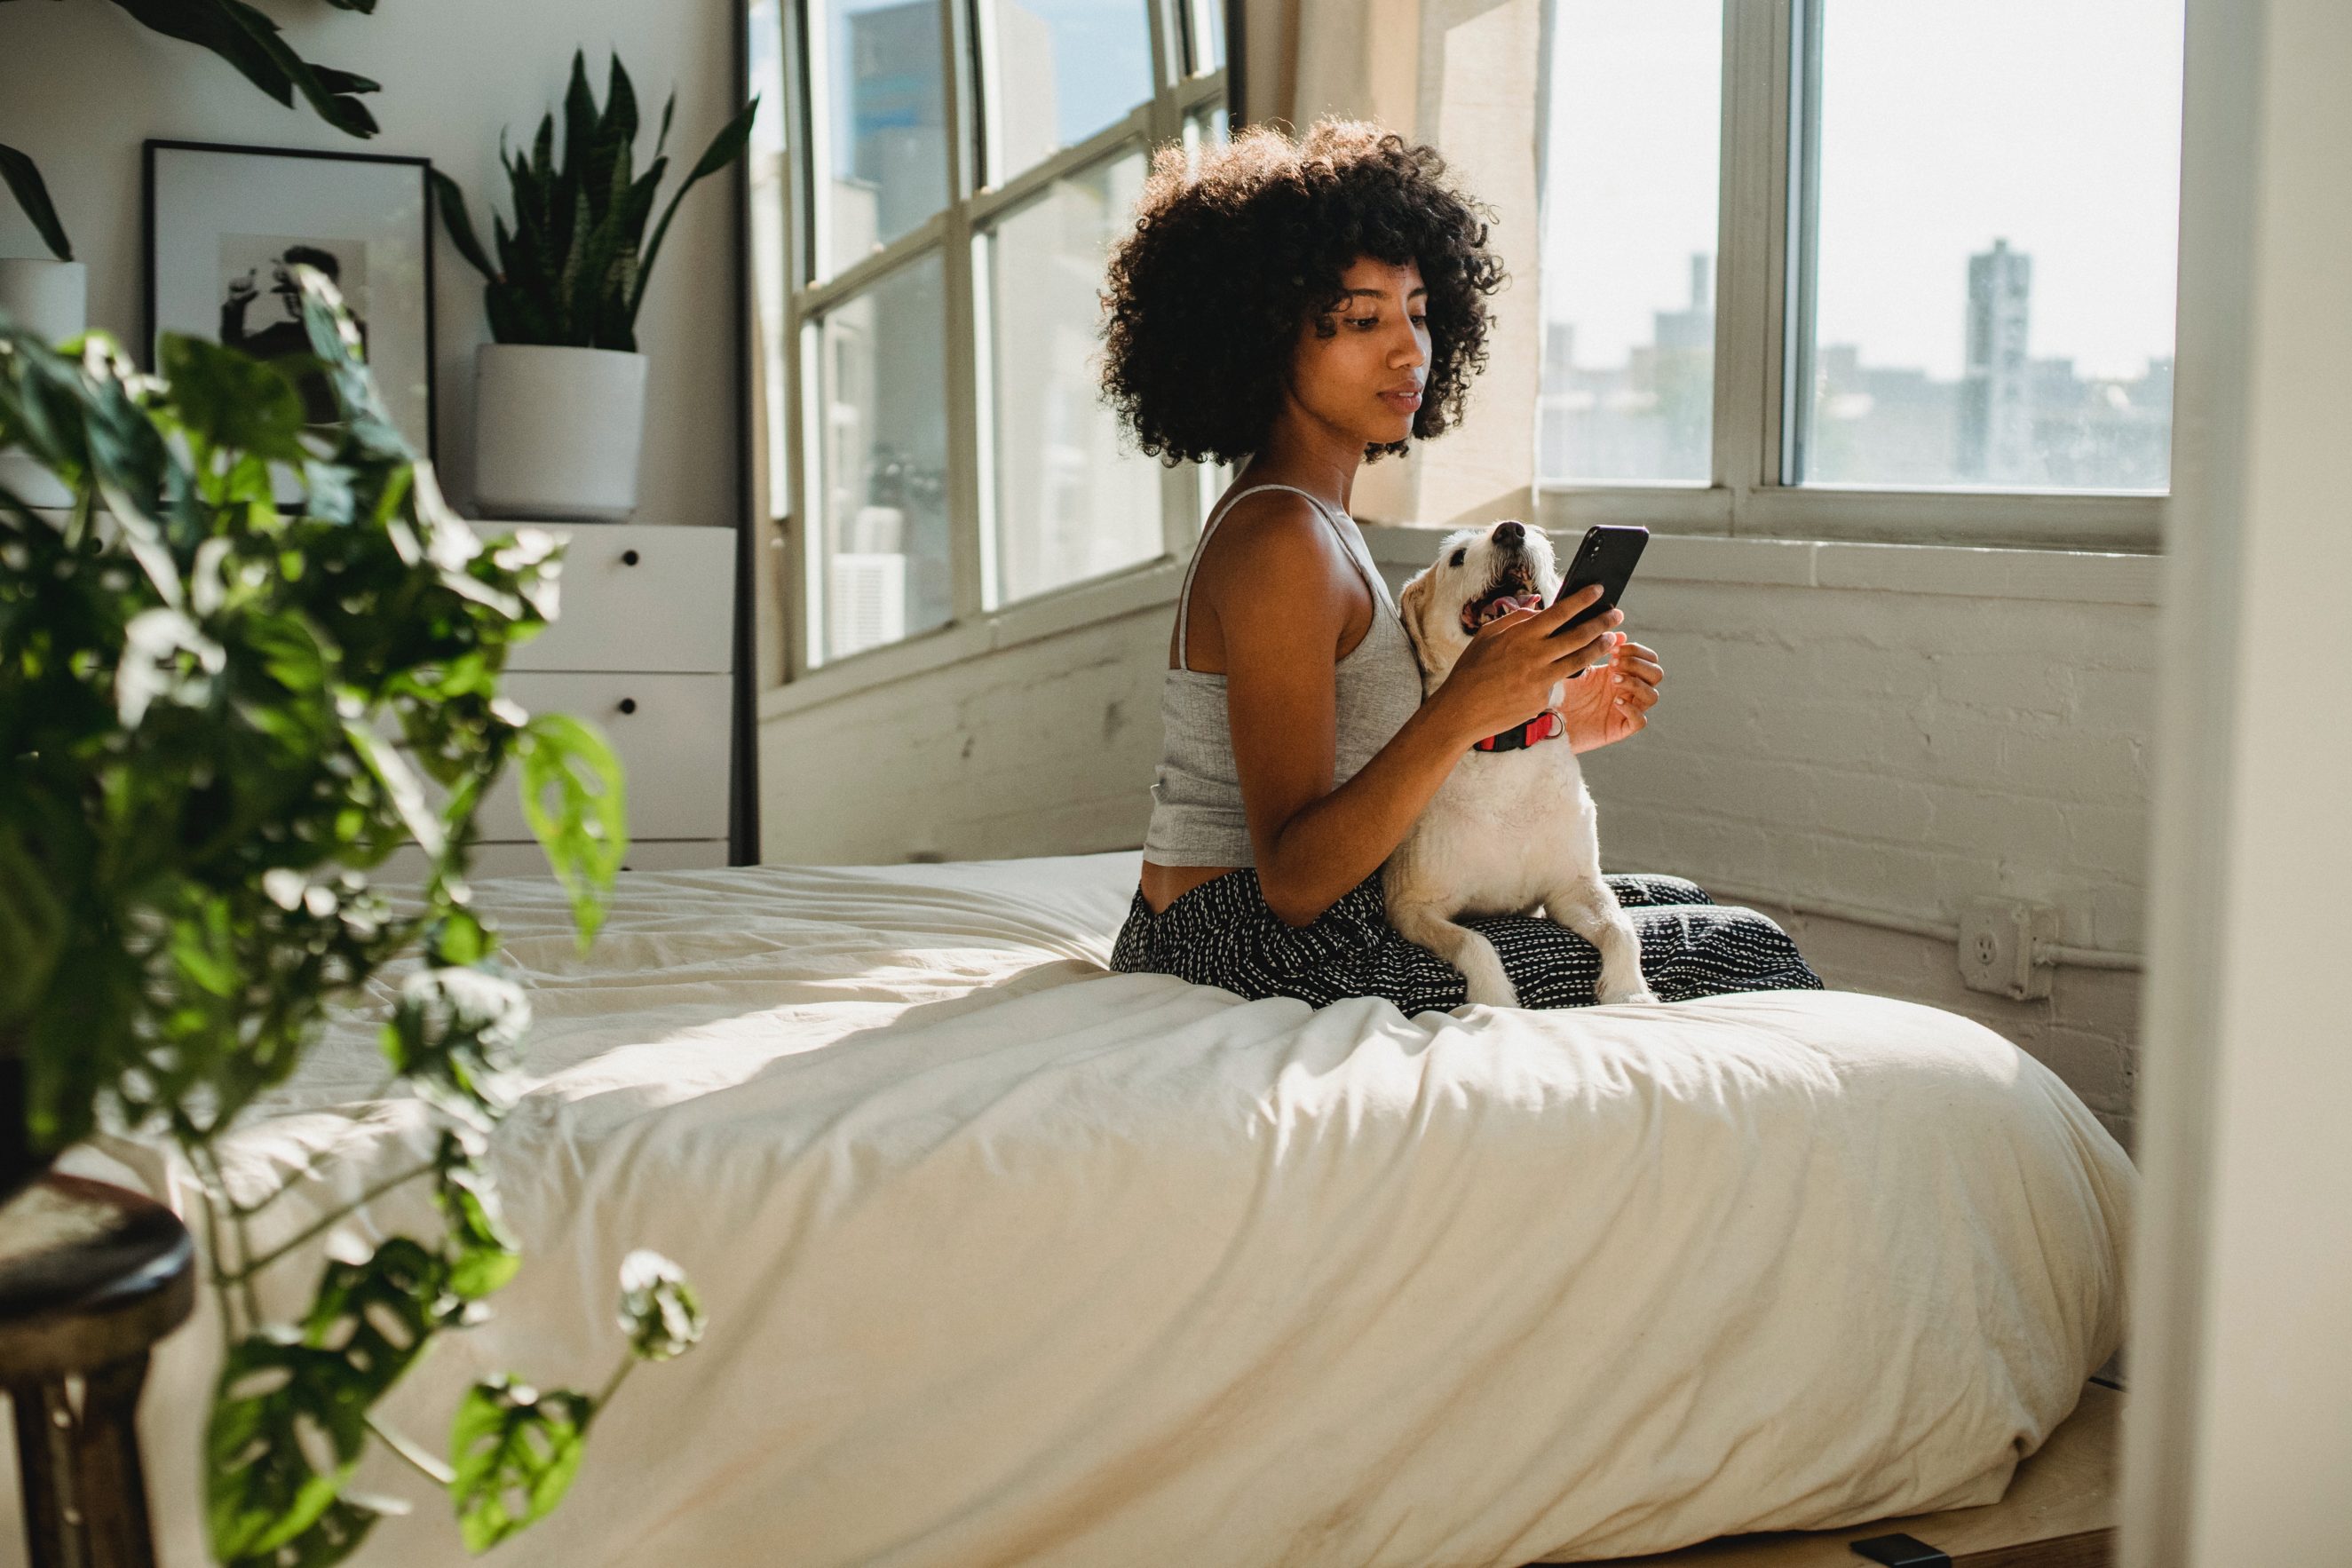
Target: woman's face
x,y
1365,378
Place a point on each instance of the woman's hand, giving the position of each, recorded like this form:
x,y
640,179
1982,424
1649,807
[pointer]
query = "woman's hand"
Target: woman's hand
x,y
1610,704
1505,676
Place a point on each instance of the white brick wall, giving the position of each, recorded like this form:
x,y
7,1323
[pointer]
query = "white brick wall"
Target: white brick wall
x,y
1871,726
1902,749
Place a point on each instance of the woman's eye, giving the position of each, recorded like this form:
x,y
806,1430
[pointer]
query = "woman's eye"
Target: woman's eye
x,y
1420,320
1460,553
1363,321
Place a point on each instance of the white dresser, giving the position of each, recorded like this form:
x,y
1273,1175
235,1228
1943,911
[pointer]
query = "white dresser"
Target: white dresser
x,y
643,646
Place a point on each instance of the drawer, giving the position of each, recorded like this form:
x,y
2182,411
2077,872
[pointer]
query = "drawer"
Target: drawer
x,y
637,596
527,859
671,732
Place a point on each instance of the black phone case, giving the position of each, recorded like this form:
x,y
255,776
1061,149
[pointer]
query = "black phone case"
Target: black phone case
x,y
1606,556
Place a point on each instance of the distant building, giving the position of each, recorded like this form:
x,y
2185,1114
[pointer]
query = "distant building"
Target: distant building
x,y
1996,435
1646,419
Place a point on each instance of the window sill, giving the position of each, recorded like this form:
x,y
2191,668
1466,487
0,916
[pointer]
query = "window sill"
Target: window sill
x,y
2038,522
1981,572
2075,576
1081,605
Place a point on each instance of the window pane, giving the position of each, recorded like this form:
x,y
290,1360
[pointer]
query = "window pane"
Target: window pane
x,y
1628,248
887,121
881,430
1999,204
1205,126
1205,19
1063,70
1070,503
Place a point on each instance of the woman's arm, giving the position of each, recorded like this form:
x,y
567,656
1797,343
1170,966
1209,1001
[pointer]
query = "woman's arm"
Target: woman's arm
x,y
1282,608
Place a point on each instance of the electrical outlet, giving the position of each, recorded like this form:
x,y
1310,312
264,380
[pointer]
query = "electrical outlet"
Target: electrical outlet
x,y
1996,947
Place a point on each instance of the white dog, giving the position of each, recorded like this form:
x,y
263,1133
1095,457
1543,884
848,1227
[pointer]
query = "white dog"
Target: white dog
x,y
1508,829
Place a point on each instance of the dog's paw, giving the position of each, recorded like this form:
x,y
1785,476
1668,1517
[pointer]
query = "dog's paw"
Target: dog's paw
x,y
1638,993
1495,992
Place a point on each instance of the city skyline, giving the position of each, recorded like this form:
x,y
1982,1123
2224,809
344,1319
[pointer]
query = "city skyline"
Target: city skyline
x,y
1942,124
2011,417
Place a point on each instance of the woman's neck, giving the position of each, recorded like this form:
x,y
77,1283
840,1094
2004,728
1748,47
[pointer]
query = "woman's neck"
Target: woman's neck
x,y
1305,452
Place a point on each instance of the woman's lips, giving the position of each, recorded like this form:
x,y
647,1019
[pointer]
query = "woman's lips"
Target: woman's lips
x,y
1403,402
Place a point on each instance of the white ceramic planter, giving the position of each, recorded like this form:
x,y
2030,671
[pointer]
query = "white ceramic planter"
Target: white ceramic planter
x,y
51,298
556,431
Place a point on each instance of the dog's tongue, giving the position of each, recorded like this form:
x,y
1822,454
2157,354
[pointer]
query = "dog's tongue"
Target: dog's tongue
x,y
1509,602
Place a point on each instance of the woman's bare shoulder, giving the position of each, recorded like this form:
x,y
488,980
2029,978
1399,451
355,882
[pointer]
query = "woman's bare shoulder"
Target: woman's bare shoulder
x,y
1271,542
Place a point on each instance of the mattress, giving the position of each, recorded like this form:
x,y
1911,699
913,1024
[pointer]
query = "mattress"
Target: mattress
x,y
1011,1260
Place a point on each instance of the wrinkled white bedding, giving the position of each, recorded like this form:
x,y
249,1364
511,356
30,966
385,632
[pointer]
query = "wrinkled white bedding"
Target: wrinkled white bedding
x,y
1010,1259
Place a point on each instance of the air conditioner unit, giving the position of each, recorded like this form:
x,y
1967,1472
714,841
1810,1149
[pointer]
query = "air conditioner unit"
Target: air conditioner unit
x,y
866,600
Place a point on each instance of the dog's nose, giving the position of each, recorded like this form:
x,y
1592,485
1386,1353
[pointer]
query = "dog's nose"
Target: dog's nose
x,y
1510,535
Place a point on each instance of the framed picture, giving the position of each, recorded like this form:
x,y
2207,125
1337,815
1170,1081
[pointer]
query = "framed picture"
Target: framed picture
x,y
226,225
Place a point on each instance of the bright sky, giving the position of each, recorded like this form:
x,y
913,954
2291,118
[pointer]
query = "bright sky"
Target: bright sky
x,y
2054,124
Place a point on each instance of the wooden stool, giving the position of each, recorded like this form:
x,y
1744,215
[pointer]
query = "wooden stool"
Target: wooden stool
x,y
90,1276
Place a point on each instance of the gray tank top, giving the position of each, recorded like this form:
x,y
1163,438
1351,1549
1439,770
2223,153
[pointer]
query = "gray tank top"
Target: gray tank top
x,y
1196,795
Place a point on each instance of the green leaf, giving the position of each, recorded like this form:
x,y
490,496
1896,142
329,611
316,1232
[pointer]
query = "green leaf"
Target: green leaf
x,y
515,1451
659,1310
231,399
23,181
334,1535
460,226
586,833
452,1033
400,787
379,1313
248,40
260,1488
34,920
722,151
482,1253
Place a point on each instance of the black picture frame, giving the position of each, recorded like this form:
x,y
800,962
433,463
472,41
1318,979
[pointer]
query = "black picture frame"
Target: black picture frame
x,y
170,282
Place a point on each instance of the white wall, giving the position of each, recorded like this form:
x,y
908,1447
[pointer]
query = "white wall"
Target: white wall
x,y
2237,1441
1879,728
1897,730
81,85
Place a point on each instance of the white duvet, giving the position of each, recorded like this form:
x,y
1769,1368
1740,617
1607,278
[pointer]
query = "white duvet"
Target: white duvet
x,y
1010,1259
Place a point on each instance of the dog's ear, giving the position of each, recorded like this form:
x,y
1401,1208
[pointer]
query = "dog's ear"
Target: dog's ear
x,y
1412,603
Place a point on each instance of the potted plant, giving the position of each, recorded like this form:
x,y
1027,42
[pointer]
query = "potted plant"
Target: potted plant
x,y
560,395
217,713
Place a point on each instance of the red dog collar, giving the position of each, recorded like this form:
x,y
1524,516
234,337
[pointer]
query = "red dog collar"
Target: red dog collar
x,y
1545,726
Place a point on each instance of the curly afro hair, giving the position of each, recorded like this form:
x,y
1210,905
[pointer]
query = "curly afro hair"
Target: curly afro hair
x,y
1226,262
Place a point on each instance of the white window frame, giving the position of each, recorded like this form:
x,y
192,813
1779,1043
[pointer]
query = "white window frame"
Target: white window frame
x,y
1178,30
1769,180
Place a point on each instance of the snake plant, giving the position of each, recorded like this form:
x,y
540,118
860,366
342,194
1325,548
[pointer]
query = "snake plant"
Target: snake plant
x,y
572,269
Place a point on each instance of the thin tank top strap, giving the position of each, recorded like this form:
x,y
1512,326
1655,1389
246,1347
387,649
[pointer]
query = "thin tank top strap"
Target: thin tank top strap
x,y
1184,592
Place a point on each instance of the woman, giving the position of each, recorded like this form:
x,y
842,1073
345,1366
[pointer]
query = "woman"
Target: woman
x,y
1304,309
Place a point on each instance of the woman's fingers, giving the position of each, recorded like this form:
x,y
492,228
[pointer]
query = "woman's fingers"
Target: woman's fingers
x,y
1560,613
1589,644
1639,671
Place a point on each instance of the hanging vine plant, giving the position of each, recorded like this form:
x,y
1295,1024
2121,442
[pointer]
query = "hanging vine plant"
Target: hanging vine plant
x,y
248,40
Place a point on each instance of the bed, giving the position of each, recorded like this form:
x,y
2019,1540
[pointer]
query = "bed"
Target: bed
x,y
1011,1260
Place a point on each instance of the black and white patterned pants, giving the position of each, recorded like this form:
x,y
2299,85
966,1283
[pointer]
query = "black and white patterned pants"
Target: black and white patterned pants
x,y
1221,933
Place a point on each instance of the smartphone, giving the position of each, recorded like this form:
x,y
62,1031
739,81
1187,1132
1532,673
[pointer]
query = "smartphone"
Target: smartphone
x,y
1606,557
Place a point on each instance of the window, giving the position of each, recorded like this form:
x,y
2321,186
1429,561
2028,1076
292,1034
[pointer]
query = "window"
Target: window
x,y
1629,241
1887,267
930,224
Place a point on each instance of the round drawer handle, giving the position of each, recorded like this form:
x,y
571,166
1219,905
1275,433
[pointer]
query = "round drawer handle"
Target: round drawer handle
x,y
628,704
628,558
